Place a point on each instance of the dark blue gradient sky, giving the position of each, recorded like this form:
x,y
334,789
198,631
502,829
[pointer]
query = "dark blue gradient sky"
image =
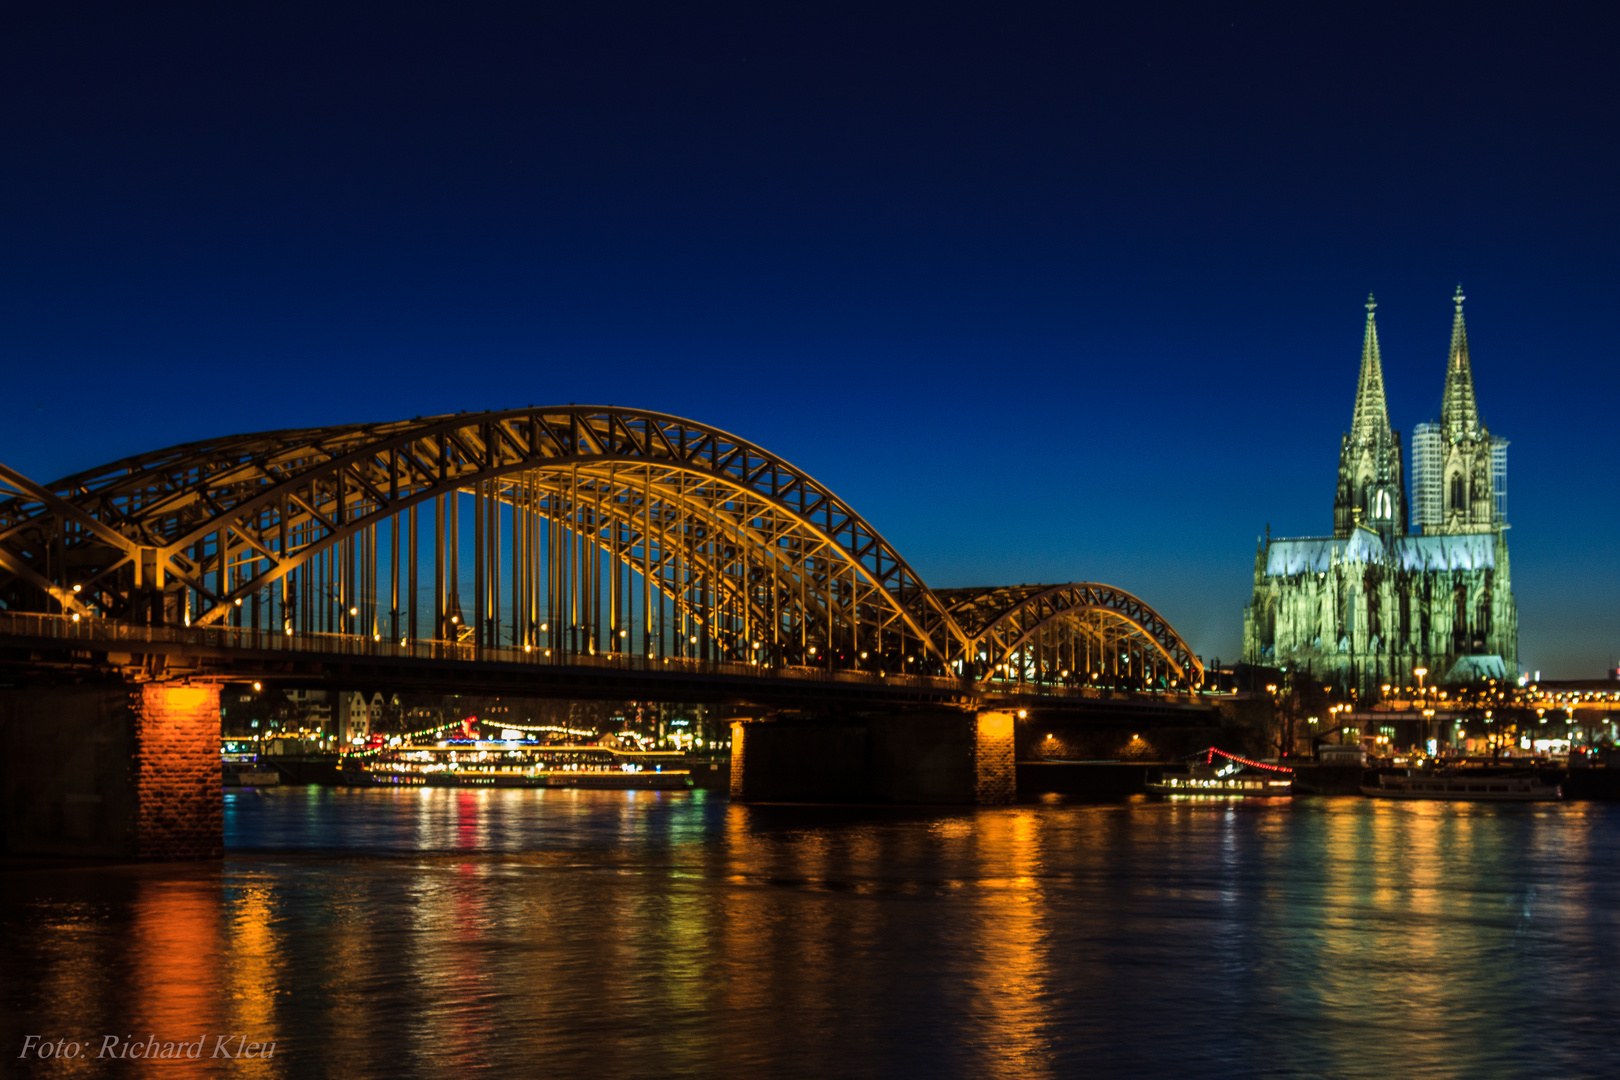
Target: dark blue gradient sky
x,y
1046,291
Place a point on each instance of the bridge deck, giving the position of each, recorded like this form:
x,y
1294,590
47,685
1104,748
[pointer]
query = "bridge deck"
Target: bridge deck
x,y
44,644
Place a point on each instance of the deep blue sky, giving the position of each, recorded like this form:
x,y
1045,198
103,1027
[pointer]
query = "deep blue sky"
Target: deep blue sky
x,y
1046,291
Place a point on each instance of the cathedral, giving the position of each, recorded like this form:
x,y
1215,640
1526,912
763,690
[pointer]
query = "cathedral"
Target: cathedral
x,y
1392,591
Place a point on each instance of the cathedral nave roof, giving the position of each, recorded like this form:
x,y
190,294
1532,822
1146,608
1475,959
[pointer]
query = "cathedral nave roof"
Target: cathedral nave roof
x,y
1473,551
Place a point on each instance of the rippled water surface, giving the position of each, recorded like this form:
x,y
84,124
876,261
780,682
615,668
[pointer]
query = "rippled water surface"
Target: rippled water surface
x,y
563,934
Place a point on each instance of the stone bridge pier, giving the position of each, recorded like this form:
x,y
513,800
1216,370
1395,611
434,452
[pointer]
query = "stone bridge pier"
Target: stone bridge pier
x,y
938,756
111,769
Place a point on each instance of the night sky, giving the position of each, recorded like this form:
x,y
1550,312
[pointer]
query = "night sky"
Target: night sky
x,y
1047,292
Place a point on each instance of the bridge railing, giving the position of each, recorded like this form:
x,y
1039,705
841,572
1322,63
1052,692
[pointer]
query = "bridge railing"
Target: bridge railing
x,y
1014,688
104,633
107,634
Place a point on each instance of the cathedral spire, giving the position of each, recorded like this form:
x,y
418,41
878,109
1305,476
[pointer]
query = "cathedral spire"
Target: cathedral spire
x,y
1371,419
1459,412
1371,491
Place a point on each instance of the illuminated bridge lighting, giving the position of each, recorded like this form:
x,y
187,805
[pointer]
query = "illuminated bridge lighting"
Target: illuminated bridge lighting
x,y
550,536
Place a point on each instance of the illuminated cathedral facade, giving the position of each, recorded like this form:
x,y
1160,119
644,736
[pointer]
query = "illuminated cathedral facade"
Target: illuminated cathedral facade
x,y
1391,591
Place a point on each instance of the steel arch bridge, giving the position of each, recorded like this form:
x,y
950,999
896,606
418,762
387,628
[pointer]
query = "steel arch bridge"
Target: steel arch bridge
x,y
560,532
1070,634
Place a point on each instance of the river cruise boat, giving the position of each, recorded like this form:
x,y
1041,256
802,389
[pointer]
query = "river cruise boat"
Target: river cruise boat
x,y
516,763
1461,785
1203,780
241,766
1234,776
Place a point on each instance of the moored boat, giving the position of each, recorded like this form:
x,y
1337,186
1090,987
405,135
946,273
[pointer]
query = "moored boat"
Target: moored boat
x,y
1460,786
1207,781
1235,776
524,763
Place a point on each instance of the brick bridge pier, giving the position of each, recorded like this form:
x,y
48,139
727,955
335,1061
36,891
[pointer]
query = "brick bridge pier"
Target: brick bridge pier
x,y
931,756
111,769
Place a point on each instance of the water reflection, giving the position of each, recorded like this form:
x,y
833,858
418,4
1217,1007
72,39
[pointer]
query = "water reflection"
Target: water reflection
x,y
422,933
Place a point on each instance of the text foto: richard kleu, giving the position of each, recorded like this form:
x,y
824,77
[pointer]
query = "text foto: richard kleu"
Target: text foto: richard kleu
x,y
130,1046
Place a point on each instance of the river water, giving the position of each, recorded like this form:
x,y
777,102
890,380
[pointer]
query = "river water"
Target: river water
x,y
403,933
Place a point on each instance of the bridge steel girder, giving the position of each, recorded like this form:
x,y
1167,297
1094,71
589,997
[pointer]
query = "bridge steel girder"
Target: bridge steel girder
x,y
1002,621
731,537
221,521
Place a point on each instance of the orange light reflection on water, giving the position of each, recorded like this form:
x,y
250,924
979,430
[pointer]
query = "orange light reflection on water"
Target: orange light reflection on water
x,y
644,933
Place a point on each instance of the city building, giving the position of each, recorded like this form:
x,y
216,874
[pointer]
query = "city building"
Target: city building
x,y
1390,591
308,710
357,716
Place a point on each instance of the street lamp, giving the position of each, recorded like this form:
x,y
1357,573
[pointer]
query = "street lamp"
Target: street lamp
x,y
1420,672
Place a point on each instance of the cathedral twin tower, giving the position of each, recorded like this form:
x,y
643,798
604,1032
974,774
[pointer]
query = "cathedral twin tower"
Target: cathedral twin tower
x,y
1388,593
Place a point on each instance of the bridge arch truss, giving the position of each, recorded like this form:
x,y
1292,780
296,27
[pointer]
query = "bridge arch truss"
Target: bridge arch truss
x,y
560,531
1077,634
563,517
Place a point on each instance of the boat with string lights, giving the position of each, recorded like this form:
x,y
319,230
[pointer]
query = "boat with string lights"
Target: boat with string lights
x,y
459,755
1233,776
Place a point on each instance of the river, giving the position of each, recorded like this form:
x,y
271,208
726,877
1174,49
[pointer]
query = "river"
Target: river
x,y
403,933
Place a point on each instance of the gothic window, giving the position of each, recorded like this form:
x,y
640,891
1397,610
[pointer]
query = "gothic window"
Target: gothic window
x,y
1425,611
1457,491
1375,620
1382,508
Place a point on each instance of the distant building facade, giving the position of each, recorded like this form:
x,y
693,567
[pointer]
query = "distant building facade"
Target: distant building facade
x,y
1391,591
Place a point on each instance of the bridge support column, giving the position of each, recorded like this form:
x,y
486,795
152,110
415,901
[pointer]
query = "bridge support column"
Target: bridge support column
x,y
942,757
994,762
739,760
179,802
106,770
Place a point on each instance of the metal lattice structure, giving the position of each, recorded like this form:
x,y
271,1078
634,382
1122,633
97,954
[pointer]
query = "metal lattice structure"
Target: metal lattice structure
x,y
1070,634
561,531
